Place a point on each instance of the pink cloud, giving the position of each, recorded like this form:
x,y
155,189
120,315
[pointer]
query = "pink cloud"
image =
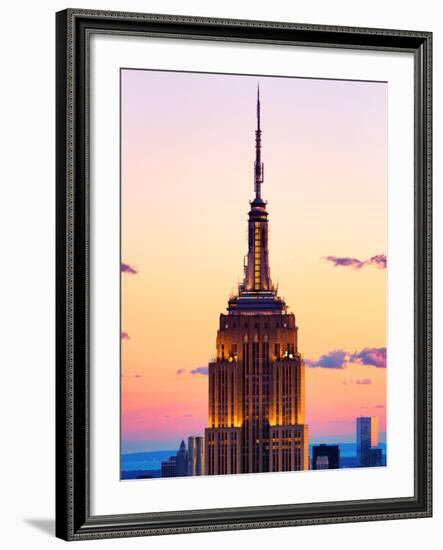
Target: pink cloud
x,y
200,370
339,359
333,360
378,261
363,381
371,356
126,268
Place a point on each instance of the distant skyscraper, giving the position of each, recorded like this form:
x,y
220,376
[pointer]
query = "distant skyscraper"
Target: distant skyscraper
x,y
196,455
182,460
176,466
375,457
257,381
325,457
367,437
169,467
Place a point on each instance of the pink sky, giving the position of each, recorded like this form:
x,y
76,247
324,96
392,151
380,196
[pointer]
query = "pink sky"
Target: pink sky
x,y
187,177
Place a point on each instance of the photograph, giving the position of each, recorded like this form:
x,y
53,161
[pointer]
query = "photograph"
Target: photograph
x,y
243,274
253,273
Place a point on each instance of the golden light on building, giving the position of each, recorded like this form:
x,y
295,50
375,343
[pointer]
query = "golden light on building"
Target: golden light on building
x,y
256,383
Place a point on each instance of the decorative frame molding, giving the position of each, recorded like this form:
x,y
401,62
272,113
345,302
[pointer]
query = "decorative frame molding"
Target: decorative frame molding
x,y
73,30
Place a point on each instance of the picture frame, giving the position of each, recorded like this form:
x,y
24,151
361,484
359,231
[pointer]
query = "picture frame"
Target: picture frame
x,y
74,518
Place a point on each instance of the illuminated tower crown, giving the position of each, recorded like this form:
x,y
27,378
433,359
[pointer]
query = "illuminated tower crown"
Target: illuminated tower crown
x,y
256,406
257,292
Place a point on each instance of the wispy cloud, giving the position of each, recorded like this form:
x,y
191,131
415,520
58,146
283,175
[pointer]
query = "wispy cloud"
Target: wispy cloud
x,y
336,359
200,370
339,359
345,262
363,381
138,376
359,382
125,336
187,415
371,356
379,406
378,261
180,371
126,268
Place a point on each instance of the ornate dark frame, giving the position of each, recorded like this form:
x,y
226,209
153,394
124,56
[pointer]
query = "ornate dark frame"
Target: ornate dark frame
x,y
73,518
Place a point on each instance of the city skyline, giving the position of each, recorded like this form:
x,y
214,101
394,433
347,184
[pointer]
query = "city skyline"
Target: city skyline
x,y
355,366
368,451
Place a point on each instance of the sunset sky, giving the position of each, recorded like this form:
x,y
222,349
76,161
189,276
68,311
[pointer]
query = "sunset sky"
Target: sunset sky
x,y
187,178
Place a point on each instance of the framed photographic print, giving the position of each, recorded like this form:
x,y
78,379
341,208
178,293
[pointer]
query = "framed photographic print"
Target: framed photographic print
x,y
243,274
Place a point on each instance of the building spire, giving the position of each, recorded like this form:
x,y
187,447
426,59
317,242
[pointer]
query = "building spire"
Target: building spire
x,y
256,292
257,275
258,165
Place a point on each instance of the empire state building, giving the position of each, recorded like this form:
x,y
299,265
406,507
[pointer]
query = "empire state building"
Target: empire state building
x,y
257,381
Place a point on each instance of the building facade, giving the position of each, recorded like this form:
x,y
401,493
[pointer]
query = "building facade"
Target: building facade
x,y
256,382
325,457
196,455
182,460
375,457
367,438
177,465
169,467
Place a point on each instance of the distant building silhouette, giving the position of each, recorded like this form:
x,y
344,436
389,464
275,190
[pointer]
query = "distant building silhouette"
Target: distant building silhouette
x,y
182,460
367,438
375,457
169,467
196,455
325,457
176,466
